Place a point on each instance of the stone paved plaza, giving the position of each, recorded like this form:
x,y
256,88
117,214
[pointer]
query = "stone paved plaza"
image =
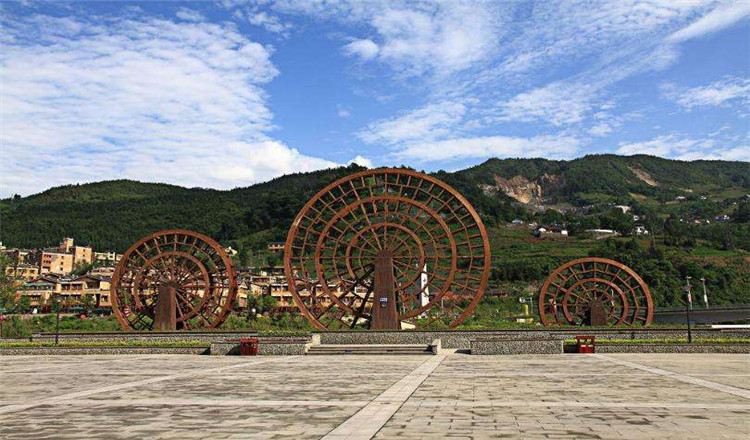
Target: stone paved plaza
x,y
383,397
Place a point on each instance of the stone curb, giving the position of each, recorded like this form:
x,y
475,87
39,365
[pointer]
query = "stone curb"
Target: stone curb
x,y
673,348
22,351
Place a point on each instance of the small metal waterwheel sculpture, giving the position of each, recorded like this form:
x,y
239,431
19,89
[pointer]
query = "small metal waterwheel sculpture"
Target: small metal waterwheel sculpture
x,y
595,291
173,280
385,248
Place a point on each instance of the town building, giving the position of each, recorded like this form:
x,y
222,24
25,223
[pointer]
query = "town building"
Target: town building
x,y
624,208
71,290
60,259
18,256
276,246
22,271
102,271
602,233
81,254
54,262
553,230
66,244
272,281
107,257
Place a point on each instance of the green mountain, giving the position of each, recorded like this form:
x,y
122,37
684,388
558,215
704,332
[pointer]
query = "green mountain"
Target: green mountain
x,y
611,178
113,214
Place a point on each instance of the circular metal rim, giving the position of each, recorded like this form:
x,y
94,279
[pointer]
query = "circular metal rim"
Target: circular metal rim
x,y
623,296
295,225
543,290
231,274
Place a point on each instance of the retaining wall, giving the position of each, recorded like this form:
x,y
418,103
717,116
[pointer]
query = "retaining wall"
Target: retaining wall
x,y
154,337
493,346
452,339
270,346
17,351
461,339
673,348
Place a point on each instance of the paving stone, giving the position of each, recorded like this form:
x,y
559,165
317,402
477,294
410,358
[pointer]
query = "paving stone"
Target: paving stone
x,y
564,396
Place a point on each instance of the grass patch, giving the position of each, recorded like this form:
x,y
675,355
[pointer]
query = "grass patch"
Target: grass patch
x,y
77,344
665,341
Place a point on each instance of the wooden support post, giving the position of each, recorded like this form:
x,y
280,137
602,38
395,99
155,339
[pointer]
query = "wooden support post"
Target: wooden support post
x,y
165,312
384,312
597,314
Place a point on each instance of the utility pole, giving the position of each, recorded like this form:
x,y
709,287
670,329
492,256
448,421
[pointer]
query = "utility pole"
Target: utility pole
x,y
688,306
705,295
57,322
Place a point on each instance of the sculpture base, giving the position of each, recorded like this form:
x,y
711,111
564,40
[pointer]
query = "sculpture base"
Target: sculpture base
x,y
597,314
165,312
384,312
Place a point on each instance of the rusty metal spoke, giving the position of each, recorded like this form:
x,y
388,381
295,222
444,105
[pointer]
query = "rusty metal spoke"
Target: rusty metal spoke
x,y
595,291
187,261
414,219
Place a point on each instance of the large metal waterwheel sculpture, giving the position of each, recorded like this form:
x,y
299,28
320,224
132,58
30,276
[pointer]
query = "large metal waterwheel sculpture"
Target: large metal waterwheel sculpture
x,y
173,280
384,247
595,291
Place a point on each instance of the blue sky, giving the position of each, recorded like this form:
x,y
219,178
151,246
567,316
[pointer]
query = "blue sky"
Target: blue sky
x,y
229,93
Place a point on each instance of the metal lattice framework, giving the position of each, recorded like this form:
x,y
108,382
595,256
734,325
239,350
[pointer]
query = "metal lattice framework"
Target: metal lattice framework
x,y
386,234
595,291
195,269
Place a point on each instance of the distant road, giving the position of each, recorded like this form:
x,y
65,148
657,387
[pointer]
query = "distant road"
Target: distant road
x,y
714,315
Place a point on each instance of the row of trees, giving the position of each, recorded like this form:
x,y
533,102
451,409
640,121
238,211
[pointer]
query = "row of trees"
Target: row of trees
x,y
727,279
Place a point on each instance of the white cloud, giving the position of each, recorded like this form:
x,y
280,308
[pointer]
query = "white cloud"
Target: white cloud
x,y
491,146
365,49
428,122
542,61
362,161
559,103
261,161
576,99
730,89
189,15
449,38
685,148
269,22
723,16
601,129
342,111
146,99
415,37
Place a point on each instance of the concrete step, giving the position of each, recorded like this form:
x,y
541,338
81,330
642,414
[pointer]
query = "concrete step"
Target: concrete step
x,y
368,349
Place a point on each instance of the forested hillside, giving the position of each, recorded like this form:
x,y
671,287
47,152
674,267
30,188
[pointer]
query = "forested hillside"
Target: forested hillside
x,y
112,214
613,178
579,194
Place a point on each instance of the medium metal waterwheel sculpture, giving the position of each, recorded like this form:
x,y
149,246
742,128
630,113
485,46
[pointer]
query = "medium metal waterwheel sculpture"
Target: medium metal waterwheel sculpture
x,y
173,280
595,291
384,247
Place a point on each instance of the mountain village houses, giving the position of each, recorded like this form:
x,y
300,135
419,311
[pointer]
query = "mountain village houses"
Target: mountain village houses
x,y
42,273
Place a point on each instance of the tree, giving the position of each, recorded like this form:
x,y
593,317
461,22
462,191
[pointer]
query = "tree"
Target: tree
x,y
244,256
616,220
273,259
7,288
261,303
88,302
742,213
23,304
81,268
